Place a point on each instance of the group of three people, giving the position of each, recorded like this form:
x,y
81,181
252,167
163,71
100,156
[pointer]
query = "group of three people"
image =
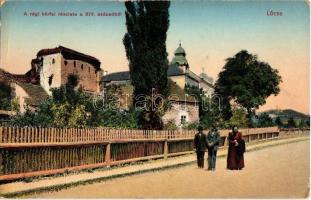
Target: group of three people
x,y
211,141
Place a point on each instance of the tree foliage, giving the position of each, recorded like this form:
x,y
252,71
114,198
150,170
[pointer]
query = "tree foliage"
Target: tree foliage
x,y
291,123
238,118
246,81
264,120
302,124
147,23
209,112
5,96
71,107
279,122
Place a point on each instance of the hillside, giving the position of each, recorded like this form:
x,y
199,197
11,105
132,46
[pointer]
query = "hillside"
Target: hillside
x,y
287,113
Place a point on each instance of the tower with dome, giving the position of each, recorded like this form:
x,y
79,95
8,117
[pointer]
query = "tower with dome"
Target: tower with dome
x,y
185,76
184,109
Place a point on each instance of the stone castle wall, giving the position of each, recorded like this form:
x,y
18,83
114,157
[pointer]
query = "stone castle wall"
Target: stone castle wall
x,y
56,69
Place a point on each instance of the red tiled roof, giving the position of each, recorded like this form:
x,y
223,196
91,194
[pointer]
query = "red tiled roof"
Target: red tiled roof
x,y
36,93
7,76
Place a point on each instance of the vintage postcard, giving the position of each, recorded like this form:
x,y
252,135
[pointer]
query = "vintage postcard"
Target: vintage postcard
x,y
154,99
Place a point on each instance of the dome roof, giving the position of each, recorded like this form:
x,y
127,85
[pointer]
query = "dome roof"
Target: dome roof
x,y
180,57
179,60
180,50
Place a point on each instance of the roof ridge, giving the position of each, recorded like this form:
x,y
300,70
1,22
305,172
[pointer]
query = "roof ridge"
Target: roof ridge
x,y
75,51
68,53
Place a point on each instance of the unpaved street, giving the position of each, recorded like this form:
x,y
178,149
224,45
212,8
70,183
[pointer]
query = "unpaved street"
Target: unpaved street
x,y
280,171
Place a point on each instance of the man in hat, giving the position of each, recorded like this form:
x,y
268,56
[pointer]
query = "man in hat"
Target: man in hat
x,y
212,140
200,146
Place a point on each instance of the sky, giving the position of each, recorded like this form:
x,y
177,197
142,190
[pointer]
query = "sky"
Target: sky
x,y
209,31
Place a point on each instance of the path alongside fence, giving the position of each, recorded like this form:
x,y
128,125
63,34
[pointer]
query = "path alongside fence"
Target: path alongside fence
x,y
31,151
81,182
266,175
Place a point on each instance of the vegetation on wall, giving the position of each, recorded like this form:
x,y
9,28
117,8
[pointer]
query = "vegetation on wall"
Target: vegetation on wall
x,y
5,96
209,111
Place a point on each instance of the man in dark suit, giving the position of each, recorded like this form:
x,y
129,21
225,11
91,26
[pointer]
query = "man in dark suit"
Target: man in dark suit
x,y
200,146
212,140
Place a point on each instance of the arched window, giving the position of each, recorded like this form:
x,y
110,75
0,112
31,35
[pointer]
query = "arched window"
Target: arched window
x,y
65,62
82,66
51,80
53,61
74,63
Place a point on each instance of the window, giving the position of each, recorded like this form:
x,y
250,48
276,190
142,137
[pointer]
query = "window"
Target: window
x,y
53,61
65,62
82,66
183,119
51,80
89,69
74,63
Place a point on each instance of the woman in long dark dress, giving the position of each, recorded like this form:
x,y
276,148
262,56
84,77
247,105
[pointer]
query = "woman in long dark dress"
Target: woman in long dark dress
x,y
235,160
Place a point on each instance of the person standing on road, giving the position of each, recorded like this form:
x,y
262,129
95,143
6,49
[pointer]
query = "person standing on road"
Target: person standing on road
x,y
212,140
200,146
235,158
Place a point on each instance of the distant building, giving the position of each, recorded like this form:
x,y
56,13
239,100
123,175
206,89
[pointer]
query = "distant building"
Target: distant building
x,y
54,66
27,94
50,69
185,109
185,76
178,71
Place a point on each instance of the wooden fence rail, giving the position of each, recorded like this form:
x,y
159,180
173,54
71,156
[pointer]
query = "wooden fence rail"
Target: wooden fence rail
x,y
29,152
74,135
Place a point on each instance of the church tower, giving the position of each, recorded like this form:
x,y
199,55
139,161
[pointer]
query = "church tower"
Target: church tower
x,y
179,58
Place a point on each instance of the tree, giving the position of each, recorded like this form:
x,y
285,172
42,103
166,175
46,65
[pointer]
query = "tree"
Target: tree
x,y
147,23
209,112
291,123
5,95
279,122
246,81
264,120
71,107
308,123
239,118
302,124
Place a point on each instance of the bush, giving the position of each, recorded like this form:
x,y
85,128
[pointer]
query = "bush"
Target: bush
x,y
239,118
118,118
264,120
170,125
192,126
5,96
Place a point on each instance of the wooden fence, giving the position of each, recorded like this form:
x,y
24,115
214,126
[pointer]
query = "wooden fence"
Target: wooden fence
x,y
32,151
74,135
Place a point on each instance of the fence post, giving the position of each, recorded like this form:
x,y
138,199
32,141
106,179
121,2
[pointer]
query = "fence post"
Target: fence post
x,y
165,149
108,153
1,134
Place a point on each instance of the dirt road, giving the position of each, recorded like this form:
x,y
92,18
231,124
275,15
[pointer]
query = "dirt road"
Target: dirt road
x,y
280,171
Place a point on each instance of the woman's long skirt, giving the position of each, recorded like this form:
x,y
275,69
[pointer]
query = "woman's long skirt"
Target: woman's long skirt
x,y
234,160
